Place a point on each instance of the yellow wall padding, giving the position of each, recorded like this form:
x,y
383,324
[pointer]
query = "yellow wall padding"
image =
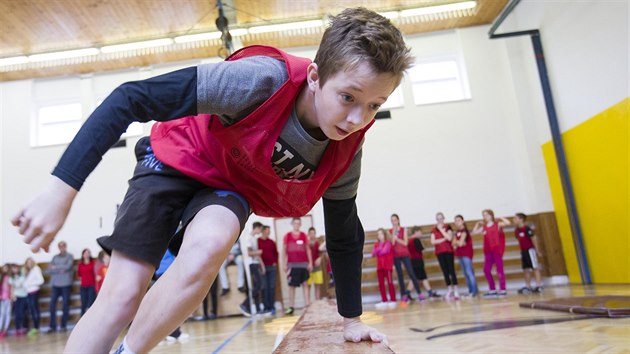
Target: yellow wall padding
x,y
598,158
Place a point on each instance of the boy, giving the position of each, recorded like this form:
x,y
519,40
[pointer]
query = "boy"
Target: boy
x,y
269,256
529,254
275,118
415,248
298,262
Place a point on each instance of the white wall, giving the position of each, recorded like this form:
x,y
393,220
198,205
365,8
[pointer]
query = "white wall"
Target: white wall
x,y
587,52
458,157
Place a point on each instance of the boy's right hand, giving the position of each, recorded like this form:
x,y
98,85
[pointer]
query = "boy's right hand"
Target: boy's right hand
x,y
41,219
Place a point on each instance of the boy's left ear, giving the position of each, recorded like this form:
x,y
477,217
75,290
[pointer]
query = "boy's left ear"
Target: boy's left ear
x,y
312,76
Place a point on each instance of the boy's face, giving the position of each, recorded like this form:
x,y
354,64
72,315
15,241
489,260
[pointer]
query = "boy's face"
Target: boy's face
x,y
349,100
518,221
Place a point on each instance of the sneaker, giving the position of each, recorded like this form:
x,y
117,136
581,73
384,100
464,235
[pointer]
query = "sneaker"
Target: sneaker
x,y
244,310
183,336
448,296
405,299
421,297
502,293
224,291
456,296
538,289
392,304
381,306
434,294
51,330
242,289
525,290
490,295
20,332
33,332
289,311
170,339
3,334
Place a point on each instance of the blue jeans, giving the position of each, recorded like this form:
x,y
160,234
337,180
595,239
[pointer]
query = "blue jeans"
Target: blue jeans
x,y
469,273
269,287
398,263
33,308
64,292
88,295
20,306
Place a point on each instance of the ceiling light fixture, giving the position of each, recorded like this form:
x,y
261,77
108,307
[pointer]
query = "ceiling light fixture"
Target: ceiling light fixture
x,y
66,54
22,59
286,26
429,10
136,45
197,37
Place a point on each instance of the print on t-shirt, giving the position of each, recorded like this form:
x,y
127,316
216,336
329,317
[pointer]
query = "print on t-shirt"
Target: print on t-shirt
x,y
288,164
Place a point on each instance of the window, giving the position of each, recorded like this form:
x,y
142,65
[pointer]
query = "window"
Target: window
x,y
57,124
435,81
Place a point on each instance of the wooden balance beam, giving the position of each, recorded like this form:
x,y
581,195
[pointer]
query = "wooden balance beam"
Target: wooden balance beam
x,y
320,330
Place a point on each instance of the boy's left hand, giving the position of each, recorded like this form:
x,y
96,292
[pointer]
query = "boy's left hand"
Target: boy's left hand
x,y
355,331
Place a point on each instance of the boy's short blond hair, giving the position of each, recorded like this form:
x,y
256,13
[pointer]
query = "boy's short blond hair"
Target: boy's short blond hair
x,y
359,35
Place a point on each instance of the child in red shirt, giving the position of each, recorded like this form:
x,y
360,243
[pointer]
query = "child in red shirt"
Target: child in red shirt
x,y
441,238
87,273
528,243
493,248
298,262
270,260
384,264
463,245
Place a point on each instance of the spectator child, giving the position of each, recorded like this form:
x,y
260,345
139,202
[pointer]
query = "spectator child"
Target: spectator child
x,y
270,260
401,257
528,242
33,282
86,272
384,253
101,269
493,249
298,262
441,238
463,245
20,298
415,248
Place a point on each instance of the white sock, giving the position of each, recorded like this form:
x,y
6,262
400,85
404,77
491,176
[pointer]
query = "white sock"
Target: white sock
x,y
124,348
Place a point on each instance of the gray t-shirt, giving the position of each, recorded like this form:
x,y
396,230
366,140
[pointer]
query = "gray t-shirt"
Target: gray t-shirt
x,y
234,89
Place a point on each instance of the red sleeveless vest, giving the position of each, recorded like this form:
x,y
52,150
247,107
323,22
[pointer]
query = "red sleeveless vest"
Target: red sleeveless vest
x,y
238,157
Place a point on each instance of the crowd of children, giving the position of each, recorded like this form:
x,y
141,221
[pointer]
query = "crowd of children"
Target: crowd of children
x,y
20,291
394,248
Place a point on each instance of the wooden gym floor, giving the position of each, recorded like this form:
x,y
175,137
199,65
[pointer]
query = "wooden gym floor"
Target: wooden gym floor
x,y
436,326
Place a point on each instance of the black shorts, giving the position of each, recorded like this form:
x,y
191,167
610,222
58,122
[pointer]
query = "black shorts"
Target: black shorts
x,y
159,204
418,268
297,276
529,259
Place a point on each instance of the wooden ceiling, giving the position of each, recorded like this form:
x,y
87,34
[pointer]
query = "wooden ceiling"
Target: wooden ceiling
x,y
39,26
